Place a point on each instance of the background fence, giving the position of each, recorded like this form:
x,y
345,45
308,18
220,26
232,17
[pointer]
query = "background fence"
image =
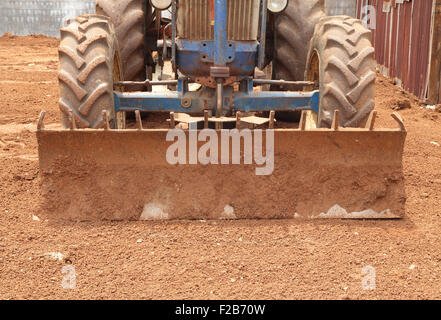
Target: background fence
x,y
40,16
46,16
403,36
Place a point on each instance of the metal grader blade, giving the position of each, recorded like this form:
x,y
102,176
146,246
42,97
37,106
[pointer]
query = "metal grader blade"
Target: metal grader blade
x,y
317,173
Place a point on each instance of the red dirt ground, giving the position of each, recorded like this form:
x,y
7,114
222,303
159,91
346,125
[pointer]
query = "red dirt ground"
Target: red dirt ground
x,y
289,259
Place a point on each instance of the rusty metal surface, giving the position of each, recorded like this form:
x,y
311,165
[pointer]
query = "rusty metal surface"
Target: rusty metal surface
x,y
318,173
420,49
402,41
435,66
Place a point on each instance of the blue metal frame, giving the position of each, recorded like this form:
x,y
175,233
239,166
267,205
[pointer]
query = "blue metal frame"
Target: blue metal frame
x,y
261,55
220,33
173,57
247,102
194,58
192,102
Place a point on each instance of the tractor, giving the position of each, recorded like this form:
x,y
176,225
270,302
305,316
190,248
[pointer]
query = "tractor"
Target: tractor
x,y
282,65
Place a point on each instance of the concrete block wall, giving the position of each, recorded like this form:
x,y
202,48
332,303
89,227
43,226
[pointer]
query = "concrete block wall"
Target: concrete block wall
x,y
40,16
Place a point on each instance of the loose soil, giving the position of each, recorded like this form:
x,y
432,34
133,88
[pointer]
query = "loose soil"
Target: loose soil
x,y
244,259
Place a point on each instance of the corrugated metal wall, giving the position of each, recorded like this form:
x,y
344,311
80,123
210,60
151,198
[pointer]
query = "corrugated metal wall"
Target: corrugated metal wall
x,y
402,40
435,62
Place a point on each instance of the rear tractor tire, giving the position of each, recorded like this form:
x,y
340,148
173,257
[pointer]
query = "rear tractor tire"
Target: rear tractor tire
x,y
89,67
341,61
293,32
128,17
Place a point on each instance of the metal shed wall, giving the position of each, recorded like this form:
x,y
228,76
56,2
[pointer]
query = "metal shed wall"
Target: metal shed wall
x,y
434,95
402,37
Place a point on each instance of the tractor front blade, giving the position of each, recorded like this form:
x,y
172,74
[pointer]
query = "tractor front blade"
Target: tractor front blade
x,y
318,173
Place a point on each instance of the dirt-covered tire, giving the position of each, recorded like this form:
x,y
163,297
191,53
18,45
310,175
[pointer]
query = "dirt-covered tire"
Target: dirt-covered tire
x,y
128,18
89,65
293,31
341,59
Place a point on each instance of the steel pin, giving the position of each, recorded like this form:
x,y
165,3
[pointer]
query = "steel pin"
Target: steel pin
x,y
238,120
302,124
138,119
73,124
40,124
106,120
334,125
271,119
399,120
172,120
206,119
371,120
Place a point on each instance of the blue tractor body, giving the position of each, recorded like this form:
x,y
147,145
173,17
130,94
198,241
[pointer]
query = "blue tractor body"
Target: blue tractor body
x,y
221,62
